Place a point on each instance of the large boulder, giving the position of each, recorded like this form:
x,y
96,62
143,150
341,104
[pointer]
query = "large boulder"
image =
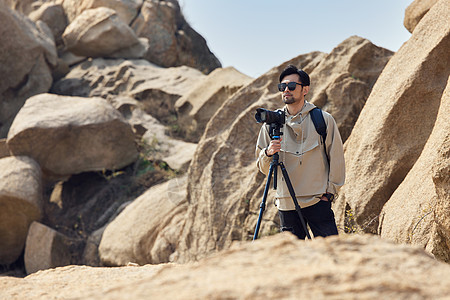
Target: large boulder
x,y
155,142
279,267
172,41
396,123
20,204
416,213
70,135
27,55
148,230
342,82
45,248
127,10
156,88
4,151
196,107
54,16
415,12
441,180
26,6
99,32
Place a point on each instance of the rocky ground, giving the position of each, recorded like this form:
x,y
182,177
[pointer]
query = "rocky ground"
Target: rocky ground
x,y
277,267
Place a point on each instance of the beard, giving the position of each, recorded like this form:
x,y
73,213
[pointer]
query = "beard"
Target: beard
x,y
289,100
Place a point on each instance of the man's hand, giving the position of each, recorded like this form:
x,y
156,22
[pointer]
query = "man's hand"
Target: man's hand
x,y
274,147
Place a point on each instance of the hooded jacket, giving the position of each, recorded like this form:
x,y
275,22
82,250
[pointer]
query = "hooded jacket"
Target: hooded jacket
x,y
303,154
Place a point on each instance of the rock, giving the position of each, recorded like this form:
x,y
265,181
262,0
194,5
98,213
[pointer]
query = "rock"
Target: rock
x,y
441,180
415,12
349,268
20,204
225,187
126,9
4,151
201,103
157,89
154,141
100,32
342,82
25,6
172,42
53,15
70,135
396,122
148,229
90,254
45,248
412,212
27,55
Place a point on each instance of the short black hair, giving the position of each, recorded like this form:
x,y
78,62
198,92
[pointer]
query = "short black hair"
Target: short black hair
x,y
291,69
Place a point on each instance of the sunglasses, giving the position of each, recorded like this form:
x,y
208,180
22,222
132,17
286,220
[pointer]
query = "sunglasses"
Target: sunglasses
x,y
291,86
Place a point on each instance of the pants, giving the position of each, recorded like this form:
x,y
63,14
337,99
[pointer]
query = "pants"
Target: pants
x,y
319,217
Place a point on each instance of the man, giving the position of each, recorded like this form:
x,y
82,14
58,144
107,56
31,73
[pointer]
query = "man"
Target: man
x,y
315,180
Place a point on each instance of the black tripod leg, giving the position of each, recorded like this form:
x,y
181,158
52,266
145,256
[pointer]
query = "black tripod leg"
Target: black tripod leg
x,y
262,207
294,198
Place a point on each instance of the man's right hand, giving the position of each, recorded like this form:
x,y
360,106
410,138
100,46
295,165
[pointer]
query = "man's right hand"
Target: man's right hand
x,y
274,147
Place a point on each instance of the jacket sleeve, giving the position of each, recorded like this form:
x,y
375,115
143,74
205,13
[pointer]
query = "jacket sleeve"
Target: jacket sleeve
x,y
262,160
335,151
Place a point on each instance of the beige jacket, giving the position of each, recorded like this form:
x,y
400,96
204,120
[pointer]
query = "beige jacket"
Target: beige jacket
x,y
303,155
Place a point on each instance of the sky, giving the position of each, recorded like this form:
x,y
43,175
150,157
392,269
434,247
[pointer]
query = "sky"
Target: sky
x,y
254,36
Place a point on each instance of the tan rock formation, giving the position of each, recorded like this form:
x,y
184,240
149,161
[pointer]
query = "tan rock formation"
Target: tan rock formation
x,y
4,151
20,204
396,121
155,142
99,32
54,16
45,248
26,6
415,12
27,55
441,180
148,230
278,267
126,9
157,89
70,135
172,42
342,82
196,107
410,215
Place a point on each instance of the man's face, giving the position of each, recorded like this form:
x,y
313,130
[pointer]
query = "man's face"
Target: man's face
x,y
295,96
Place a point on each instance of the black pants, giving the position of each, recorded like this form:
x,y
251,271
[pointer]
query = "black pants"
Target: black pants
x,y
319,217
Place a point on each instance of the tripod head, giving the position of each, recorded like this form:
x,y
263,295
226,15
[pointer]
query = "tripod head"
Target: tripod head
x,y
275,132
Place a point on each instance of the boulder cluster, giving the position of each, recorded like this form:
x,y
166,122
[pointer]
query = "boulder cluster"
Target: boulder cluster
x,y
124,143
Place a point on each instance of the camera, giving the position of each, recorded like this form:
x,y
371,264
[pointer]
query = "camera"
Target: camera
x,y
270,117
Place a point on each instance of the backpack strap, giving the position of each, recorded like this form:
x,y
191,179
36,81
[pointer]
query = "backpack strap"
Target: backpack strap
x,y
321,126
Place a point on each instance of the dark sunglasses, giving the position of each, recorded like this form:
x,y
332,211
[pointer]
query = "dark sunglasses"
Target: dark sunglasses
x,y
291,86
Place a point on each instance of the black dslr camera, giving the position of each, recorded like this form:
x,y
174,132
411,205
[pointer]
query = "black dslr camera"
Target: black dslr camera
x,y
267,116
275,120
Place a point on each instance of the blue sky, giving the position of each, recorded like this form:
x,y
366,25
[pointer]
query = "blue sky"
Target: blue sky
x,y
254,36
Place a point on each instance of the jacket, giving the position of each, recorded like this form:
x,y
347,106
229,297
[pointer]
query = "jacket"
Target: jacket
x,y
302,152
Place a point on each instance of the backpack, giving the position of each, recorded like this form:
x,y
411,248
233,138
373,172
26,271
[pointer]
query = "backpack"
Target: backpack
x,y
321,126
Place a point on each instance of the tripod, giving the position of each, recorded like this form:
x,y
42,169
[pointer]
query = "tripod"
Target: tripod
x,y
275,134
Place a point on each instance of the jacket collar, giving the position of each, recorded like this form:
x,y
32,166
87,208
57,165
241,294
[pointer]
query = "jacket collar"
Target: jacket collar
x,y
307,107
